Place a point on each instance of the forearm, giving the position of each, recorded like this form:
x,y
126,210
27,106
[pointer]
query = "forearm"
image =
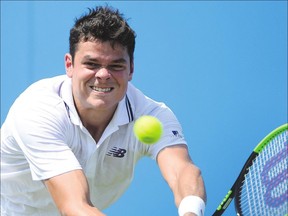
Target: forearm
x,y
70,192
188,182
184,179
189,191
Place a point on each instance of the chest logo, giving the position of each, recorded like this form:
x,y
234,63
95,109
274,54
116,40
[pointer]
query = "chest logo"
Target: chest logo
x,y
116,152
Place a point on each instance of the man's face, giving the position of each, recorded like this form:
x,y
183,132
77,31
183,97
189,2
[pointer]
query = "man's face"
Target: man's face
x,y
100,75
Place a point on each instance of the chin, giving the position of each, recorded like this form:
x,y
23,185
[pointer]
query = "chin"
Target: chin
x,y
101,104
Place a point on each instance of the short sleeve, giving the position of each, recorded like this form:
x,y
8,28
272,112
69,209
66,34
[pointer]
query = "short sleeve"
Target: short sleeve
x,y
40,129
172,132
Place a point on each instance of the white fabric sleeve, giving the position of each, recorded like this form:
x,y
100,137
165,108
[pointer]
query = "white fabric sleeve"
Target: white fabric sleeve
x,y
172,132
42,136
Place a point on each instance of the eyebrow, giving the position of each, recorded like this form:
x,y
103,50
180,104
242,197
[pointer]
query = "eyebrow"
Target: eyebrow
x,y
90,58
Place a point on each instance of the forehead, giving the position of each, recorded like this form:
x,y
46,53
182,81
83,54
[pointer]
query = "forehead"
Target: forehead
x,y
99,48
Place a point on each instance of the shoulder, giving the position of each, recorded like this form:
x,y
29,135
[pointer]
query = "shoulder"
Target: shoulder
x,y
143,104
43,92
48,85
41,101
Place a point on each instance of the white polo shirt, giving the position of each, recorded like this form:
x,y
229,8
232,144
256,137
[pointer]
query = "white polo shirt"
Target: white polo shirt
x,y
43,137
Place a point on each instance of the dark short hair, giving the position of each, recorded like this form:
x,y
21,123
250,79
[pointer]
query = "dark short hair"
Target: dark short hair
x,y
102,23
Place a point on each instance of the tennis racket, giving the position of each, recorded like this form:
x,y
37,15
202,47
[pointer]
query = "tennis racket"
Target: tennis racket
x,y
261,187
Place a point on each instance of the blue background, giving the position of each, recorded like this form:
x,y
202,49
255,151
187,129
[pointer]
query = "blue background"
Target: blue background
x,y
220,65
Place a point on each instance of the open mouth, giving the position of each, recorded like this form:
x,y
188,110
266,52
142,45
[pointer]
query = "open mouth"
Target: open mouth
x,y
98,89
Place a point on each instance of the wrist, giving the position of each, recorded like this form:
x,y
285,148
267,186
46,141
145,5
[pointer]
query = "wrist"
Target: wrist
x,y
191,204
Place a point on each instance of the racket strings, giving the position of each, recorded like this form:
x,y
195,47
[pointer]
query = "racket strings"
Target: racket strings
x,y
264,190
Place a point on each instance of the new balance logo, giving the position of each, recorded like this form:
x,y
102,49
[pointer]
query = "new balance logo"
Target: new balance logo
x,y
116,152
176,134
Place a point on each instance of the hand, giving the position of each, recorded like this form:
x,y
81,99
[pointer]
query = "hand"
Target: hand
x,y
189,214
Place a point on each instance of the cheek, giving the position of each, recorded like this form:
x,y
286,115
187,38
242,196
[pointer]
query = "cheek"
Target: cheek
x,y
127,76
83,74
119,77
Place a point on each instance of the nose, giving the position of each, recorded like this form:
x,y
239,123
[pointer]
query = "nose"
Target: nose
x,y
103,74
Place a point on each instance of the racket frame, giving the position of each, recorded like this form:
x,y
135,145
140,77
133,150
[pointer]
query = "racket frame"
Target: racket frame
x,y
237,184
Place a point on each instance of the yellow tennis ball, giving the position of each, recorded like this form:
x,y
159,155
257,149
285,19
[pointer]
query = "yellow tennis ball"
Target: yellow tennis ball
x,y
148,129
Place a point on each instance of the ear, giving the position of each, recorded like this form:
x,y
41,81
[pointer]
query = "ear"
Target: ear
x,y
131,71
68,65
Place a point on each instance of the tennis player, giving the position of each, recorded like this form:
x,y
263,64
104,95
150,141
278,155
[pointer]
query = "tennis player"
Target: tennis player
x,y
67,145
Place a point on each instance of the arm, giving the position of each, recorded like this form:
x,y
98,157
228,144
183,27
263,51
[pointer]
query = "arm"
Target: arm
x,y
70,192
183,177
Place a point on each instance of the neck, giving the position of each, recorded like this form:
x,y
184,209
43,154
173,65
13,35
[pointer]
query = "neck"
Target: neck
x,y
96,121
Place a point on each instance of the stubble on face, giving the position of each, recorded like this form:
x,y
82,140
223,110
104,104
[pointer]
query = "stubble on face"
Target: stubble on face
x,y
100,75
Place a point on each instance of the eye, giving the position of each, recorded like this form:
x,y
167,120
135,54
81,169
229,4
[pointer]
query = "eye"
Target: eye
x,y
92,65
116,67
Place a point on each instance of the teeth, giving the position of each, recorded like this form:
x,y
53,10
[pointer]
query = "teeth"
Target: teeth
x,y
101,89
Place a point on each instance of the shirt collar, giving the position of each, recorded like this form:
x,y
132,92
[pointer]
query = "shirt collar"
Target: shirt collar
x,y
123,114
